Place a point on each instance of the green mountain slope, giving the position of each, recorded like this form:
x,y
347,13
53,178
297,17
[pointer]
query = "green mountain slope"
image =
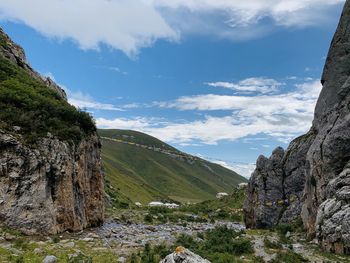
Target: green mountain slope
x,y
160,172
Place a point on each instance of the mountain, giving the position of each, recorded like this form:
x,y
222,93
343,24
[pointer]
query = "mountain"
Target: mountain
x,y
50,171
143,169
311,179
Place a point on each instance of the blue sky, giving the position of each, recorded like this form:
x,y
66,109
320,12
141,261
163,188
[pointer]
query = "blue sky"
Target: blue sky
x,y
226,80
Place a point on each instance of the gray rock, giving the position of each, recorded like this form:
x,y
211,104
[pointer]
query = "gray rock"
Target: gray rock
x,y
52,187
183,255
50,259
276,186
315,168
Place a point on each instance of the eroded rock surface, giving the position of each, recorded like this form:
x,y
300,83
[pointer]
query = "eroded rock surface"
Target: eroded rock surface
x,y
276,186
49,186
319,162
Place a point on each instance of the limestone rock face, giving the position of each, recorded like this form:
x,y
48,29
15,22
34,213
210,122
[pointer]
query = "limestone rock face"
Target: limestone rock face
x,y
326,212
51,188
275,188
53,185
184,256
319,161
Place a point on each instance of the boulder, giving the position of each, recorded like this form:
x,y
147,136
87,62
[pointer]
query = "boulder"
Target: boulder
x,y
182,255
50,259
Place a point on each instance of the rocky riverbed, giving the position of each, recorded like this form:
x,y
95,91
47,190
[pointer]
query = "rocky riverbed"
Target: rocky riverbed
x,y
137,235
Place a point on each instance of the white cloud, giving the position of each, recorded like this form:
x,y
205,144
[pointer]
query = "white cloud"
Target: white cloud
x,y
81,100
127,25
118,70
85,101
244,13
280,116
244,169
262,85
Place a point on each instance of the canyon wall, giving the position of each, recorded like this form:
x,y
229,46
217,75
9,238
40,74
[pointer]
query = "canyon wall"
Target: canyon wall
x,y
311,179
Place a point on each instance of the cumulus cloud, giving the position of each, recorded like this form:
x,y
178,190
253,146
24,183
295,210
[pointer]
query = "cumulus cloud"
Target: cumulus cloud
x,y
82,100
262,85
129,25
244,169
244,13
281,116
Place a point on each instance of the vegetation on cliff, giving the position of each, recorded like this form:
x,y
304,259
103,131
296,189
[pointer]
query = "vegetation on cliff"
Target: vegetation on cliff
x,y
33,107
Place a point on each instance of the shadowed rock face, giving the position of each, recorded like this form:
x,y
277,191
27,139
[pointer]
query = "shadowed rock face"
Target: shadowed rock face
x,y
320,162
326,210
275,188
54,185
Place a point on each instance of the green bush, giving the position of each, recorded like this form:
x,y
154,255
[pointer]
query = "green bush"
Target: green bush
x,y
160,210
148,218
223,240
31,105
80,258
219,245
271,244
289,257
187,241
282,229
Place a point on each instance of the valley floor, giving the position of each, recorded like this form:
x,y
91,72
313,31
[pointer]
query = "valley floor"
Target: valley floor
x,y
127,233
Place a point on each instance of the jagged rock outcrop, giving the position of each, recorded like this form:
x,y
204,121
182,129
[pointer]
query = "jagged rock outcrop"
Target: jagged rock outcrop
x,y
182,255
320,162
326,212
276,186
50,185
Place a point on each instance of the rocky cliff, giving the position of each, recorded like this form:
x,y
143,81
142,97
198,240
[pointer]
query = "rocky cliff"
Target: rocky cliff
x,y
48,183
312,178
275,189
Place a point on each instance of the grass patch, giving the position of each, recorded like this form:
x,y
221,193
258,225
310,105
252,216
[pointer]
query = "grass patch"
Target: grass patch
x,y
271,244
288,257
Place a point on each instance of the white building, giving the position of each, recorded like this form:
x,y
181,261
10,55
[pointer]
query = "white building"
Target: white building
x,y
221,195
152,204
242,185
138,204
172,205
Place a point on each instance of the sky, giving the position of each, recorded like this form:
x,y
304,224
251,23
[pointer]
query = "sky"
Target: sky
x,y
227,80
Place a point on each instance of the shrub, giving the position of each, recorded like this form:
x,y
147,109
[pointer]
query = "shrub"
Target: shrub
x,y
223,240
160,210
271,244
187,241
282,229
289,257
20,243
148,218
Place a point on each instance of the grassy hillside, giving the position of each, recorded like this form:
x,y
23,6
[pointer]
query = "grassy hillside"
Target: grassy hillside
x,y
145,175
